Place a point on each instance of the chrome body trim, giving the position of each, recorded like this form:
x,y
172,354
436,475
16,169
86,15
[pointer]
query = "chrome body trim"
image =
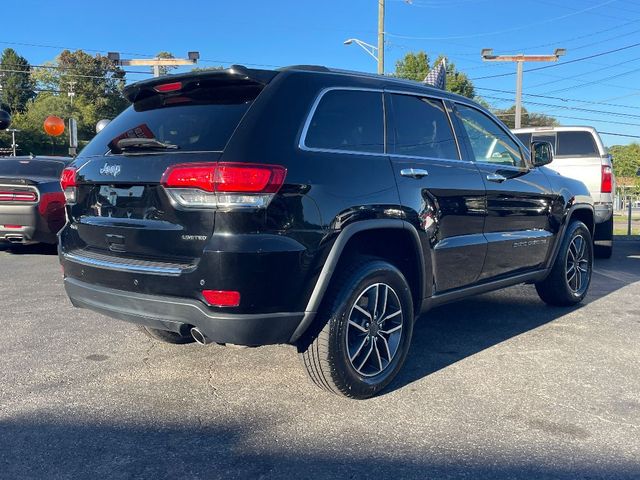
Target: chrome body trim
x,y
170,271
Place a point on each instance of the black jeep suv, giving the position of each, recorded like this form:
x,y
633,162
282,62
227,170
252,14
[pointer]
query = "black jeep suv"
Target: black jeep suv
x,y
314,207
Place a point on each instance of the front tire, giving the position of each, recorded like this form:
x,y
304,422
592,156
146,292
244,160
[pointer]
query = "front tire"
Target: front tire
x,y
570,277
363,331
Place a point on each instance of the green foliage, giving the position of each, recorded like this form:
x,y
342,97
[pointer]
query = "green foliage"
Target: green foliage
x,y
77,85
17,88
32,138
415,66
528,119
626,162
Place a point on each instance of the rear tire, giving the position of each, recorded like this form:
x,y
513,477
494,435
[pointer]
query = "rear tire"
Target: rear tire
x,y
604,231
363,331
166,336
570,277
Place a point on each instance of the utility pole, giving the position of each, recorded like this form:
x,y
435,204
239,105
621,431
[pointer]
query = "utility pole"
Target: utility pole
x,y
14,145
488,56
156,63
380,37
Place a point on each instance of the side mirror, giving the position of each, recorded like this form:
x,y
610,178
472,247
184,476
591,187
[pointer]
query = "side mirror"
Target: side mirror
x,y
541,153
5,120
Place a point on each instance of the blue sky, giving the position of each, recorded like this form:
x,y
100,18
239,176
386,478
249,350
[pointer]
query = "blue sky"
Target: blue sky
x,y
603,91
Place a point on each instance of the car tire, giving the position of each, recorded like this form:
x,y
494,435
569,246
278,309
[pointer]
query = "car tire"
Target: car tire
x,y
347,352
167,336
604,231
570,277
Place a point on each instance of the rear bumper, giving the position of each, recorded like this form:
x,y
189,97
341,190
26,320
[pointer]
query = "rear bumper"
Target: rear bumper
x,y
180,314
32,227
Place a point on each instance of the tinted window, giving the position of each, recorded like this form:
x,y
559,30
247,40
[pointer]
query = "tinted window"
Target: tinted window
x,y
348,120
26,167
489,142
202,120
525,138
422,128
576,144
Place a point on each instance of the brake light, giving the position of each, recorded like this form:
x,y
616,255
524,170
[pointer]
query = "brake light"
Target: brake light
x,y
68,184
168,87
223,184
221,298
14,227
606,182
6,196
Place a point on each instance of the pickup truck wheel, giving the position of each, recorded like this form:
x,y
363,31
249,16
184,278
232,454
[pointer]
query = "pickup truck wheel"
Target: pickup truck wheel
x,y
166,336
604,231
365,329
569,279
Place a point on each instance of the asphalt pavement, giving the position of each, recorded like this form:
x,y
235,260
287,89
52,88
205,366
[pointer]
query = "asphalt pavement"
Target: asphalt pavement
x,y
496,386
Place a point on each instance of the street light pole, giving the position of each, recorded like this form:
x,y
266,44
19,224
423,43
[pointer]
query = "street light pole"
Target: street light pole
x,y
488,56
380,37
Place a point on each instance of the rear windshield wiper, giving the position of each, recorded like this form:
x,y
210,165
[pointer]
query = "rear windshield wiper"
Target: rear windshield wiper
x,y
130,144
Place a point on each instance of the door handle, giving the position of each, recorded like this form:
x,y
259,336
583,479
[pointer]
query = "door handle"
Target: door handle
x,y
414,172
496,177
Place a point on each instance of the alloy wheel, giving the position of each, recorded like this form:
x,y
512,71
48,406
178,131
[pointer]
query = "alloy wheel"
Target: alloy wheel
x,y
578,268
374,329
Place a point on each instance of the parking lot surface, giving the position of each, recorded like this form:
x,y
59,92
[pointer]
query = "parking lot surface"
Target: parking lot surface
x,y
497,386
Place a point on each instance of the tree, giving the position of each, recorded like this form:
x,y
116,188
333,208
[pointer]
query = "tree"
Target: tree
x,y
415,66
16,84
93,85
32,138
626,162
528,119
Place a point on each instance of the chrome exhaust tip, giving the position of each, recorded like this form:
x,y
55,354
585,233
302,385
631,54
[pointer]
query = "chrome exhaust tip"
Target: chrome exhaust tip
x,y
199,337
14,238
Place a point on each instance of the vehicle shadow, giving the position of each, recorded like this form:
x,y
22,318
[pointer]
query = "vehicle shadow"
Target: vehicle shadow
x,y
41,447
33,249
450,333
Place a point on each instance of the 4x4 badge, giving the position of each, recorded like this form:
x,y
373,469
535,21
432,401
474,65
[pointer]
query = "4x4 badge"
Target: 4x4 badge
x,y
113,170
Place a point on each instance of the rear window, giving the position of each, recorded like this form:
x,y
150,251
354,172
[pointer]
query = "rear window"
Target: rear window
x,y
348,120
201,120
576,144
40,168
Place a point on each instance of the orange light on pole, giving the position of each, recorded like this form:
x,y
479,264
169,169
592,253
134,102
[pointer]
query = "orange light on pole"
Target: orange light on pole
x,y
54,126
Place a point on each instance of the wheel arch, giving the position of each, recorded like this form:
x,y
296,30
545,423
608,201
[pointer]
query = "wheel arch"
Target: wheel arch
x,y
371,237
579,211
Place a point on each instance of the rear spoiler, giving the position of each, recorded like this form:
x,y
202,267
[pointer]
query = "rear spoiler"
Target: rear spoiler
x,y
236,74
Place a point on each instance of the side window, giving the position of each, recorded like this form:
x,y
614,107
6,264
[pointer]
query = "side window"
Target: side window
x,y
490,143
348,120
422,128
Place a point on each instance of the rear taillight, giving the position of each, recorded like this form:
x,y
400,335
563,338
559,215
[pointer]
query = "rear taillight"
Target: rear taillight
x,y
68,184
222,298
606,181
6,196
223,184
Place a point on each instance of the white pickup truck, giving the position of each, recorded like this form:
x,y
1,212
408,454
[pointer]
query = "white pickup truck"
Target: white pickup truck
x,y
580,154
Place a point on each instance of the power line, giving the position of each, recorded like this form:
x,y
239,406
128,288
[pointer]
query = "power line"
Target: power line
x,y
618,134
509,30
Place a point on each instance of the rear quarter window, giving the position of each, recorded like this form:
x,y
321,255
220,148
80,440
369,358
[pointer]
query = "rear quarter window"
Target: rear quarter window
x,y
576,144
347,120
